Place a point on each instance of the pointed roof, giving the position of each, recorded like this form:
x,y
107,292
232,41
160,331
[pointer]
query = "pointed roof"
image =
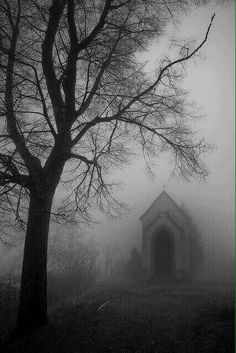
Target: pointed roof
x,y
165,195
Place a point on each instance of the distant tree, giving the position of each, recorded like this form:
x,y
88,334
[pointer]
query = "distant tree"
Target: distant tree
x,y
133,268
110,263
73,97
196,250
113,264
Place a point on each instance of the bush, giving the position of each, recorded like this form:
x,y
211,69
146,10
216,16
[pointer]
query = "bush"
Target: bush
x,y
128,271
73,270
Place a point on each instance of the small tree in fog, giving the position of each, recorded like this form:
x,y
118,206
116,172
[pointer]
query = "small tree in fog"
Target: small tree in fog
x,y
113,264
110,263
75,103
133,267
196,250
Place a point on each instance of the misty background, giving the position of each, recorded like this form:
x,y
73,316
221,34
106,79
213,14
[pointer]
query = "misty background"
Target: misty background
x,y
210,203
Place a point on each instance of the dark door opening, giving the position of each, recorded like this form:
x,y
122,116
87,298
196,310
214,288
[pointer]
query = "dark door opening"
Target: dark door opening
x,y
163,253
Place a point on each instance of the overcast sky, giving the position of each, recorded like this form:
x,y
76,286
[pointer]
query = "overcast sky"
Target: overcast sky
x,y
210,82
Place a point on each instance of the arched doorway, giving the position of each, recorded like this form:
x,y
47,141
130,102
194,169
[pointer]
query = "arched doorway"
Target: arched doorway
x,y
163,253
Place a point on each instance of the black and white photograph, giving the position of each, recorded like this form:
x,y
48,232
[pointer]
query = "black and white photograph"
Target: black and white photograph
x,y
117,176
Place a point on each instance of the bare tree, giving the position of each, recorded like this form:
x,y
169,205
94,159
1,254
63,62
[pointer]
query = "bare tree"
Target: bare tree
x,y
112,263
72,89
196,248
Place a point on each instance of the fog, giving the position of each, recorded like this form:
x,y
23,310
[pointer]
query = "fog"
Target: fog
x,y
210,203
158,275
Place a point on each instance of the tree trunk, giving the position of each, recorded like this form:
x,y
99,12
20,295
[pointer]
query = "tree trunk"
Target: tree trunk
x,y
32,312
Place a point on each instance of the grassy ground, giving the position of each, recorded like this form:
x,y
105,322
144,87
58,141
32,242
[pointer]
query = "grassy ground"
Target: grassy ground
x,y
163,319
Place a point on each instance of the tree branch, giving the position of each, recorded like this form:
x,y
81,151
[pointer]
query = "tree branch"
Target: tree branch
x,y
53,85
32,163
137,98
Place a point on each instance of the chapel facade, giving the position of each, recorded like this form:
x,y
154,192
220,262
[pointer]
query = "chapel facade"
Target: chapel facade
x,y
166,239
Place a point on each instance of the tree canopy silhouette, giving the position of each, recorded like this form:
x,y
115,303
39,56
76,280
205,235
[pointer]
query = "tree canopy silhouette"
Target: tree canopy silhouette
x,y
74,104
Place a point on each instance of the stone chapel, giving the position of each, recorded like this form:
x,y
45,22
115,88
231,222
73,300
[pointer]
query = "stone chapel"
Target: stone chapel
x,y
166,239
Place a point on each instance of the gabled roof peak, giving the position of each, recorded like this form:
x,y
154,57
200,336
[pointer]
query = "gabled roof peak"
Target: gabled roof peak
x,y
163,194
